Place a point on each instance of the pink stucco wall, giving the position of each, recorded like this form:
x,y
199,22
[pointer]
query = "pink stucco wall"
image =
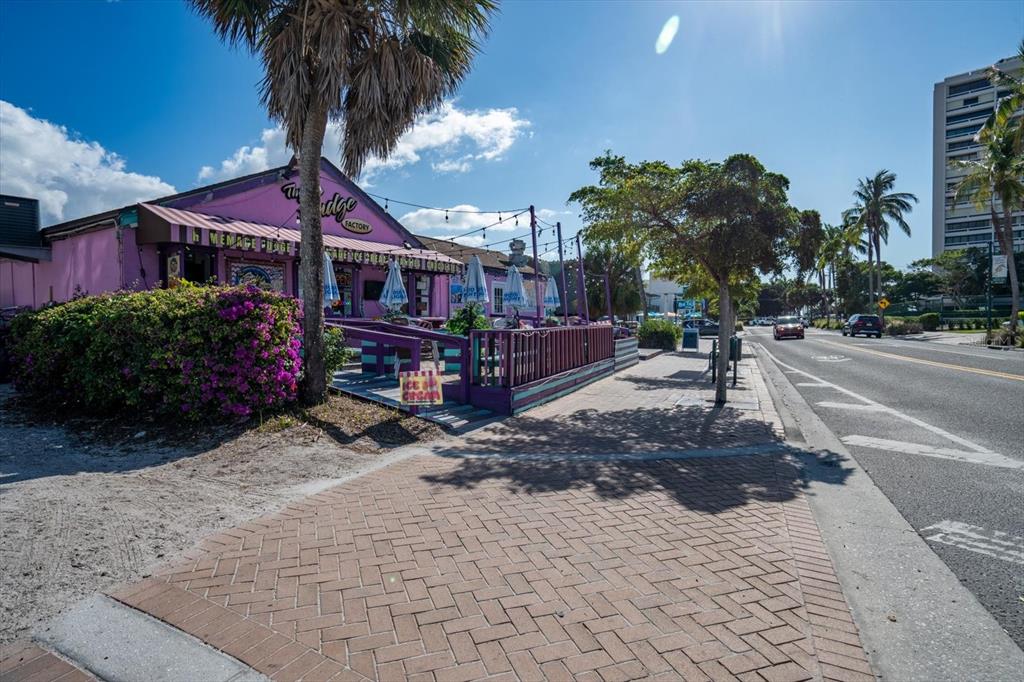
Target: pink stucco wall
x,y
18,283
87,262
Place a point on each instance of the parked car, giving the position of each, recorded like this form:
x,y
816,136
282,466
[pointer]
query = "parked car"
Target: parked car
x,y
788,327
868,325
703,327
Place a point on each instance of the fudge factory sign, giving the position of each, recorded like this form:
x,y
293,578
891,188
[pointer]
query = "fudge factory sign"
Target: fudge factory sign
x,y
337,206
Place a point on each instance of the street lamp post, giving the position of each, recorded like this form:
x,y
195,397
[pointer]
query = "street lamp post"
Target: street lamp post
x,y
988,334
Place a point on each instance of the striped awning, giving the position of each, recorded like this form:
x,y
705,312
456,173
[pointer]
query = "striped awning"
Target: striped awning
x,y
166,224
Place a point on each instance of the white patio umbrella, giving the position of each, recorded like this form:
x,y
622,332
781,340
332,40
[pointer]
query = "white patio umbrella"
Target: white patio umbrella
x,y
331,292
393,295
551,299
515,292
475,288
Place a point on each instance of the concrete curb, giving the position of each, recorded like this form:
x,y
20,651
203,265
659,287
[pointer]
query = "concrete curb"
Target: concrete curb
x,y
119,644
917,621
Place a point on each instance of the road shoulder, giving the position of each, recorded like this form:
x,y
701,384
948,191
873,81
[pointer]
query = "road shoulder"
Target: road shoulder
x,y
917,621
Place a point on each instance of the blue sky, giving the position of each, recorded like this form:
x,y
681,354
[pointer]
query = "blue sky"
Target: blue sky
x,y
105,103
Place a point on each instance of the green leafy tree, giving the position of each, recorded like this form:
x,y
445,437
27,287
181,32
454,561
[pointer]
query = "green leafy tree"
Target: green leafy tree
x,y
374,65
876,204
730,218
956,275
605,259
996,180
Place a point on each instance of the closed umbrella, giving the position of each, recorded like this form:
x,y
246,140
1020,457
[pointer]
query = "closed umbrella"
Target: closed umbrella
x,y
515,292
475,288
551,299
393,295
331,293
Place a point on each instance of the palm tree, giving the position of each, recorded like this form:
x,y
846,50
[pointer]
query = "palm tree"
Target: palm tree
x,y
997,176
836,245
876,204
374,65
1008,105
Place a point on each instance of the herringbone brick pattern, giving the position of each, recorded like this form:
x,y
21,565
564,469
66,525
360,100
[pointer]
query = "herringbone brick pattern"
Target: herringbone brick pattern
x,y
26,662
697,570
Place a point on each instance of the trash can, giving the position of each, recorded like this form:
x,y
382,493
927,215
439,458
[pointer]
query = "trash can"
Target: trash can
x,y
691,339
735,348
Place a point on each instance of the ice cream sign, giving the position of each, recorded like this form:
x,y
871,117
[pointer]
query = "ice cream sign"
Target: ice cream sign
x,y
337,206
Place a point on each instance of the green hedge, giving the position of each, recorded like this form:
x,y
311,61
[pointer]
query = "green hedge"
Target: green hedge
x,y
659,334
902,328
194,352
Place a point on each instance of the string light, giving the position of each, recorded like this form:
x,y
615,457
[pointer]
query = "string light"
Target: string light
x,y
439,209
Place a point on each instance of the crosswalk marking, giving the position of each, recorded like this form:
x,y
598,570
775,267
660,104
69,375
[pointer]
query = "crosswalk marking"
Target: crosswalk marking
x,y
972,457
993,543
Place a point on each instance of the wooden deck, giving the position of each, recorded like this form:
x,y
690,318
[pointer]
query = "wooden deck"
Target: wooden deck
x,y
384,390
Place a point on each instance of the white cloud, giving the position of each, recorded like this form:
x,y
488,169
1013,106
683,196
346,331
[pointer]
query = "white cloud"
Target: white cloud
x,y
70,177
453,138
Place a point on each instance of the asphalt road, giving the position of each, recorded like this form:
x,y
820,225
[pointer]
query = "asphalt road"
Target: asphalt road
x,y
940,430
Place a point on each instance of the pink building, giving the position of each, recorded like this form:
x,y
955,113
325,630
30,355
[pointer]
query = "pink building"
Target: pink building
x,y
496,265
242,230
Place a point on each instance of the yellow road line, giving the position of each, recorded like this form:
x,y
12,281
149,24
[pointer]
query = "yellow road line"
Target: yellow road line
x,y
973,370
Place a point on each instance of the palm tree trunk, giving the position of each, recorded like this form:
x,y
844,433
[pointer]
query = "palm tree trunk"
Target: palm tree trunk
x,y
871,272
1006,243
824,293
878,274
725,331
311,251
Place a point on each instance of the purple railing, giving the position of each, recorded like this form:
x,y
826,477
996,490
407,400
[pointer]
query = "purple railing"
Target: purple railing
x,y
387,338
512,357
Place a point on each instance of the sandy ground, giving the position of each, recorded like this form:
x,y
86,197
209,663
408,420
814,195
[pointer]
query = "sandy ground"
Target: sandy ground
x,y
82,511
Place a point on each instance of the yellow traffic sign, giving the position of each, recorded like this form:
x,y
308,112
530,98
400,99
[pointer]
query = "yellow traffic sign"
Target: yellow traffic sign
x,y
883,303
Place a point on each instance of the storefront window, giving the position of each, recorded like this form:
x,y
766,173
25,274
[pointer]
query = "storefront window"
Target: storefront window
x,y
344,277
497,304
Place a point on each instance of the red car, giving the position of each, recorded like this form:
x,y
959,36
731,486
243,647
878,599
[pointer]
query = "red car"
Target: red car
x,y
790,327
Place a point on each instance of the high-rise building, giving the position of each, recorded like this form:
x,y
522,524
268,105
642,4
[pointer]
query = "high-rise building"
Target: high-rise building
x,y
961,105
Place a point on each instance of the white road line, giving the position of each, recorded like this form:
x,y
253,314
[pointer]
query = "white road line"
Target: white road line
x,y
976,539
814,384
853,406
987,458
906,417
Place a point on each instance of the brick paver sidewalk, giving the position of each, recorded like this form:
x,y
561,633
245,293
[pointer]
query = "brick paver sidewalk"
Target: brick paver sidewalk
x,y
452,568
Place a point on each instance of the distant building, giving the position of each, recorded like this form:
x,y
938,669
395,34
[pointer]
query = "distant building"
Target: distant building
x,y
662,295
961,105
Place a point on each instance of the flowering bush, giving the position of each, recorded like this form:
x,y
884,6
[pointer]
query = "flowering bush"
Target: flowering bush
x,y
193,351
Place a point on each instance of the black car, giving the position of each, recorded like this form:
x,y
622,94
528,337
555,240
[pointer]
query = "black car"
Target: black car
x,y
704,327
868,325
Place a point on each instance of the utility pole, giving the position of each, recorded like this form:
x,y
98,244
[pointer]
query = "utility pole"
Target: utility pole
x,y
536,269
561,271
582,288
608,297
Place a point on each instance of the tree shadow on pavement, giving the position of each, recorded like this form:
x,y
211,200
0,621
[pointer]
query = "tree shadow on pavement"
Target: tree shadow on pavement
x,y
687,453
